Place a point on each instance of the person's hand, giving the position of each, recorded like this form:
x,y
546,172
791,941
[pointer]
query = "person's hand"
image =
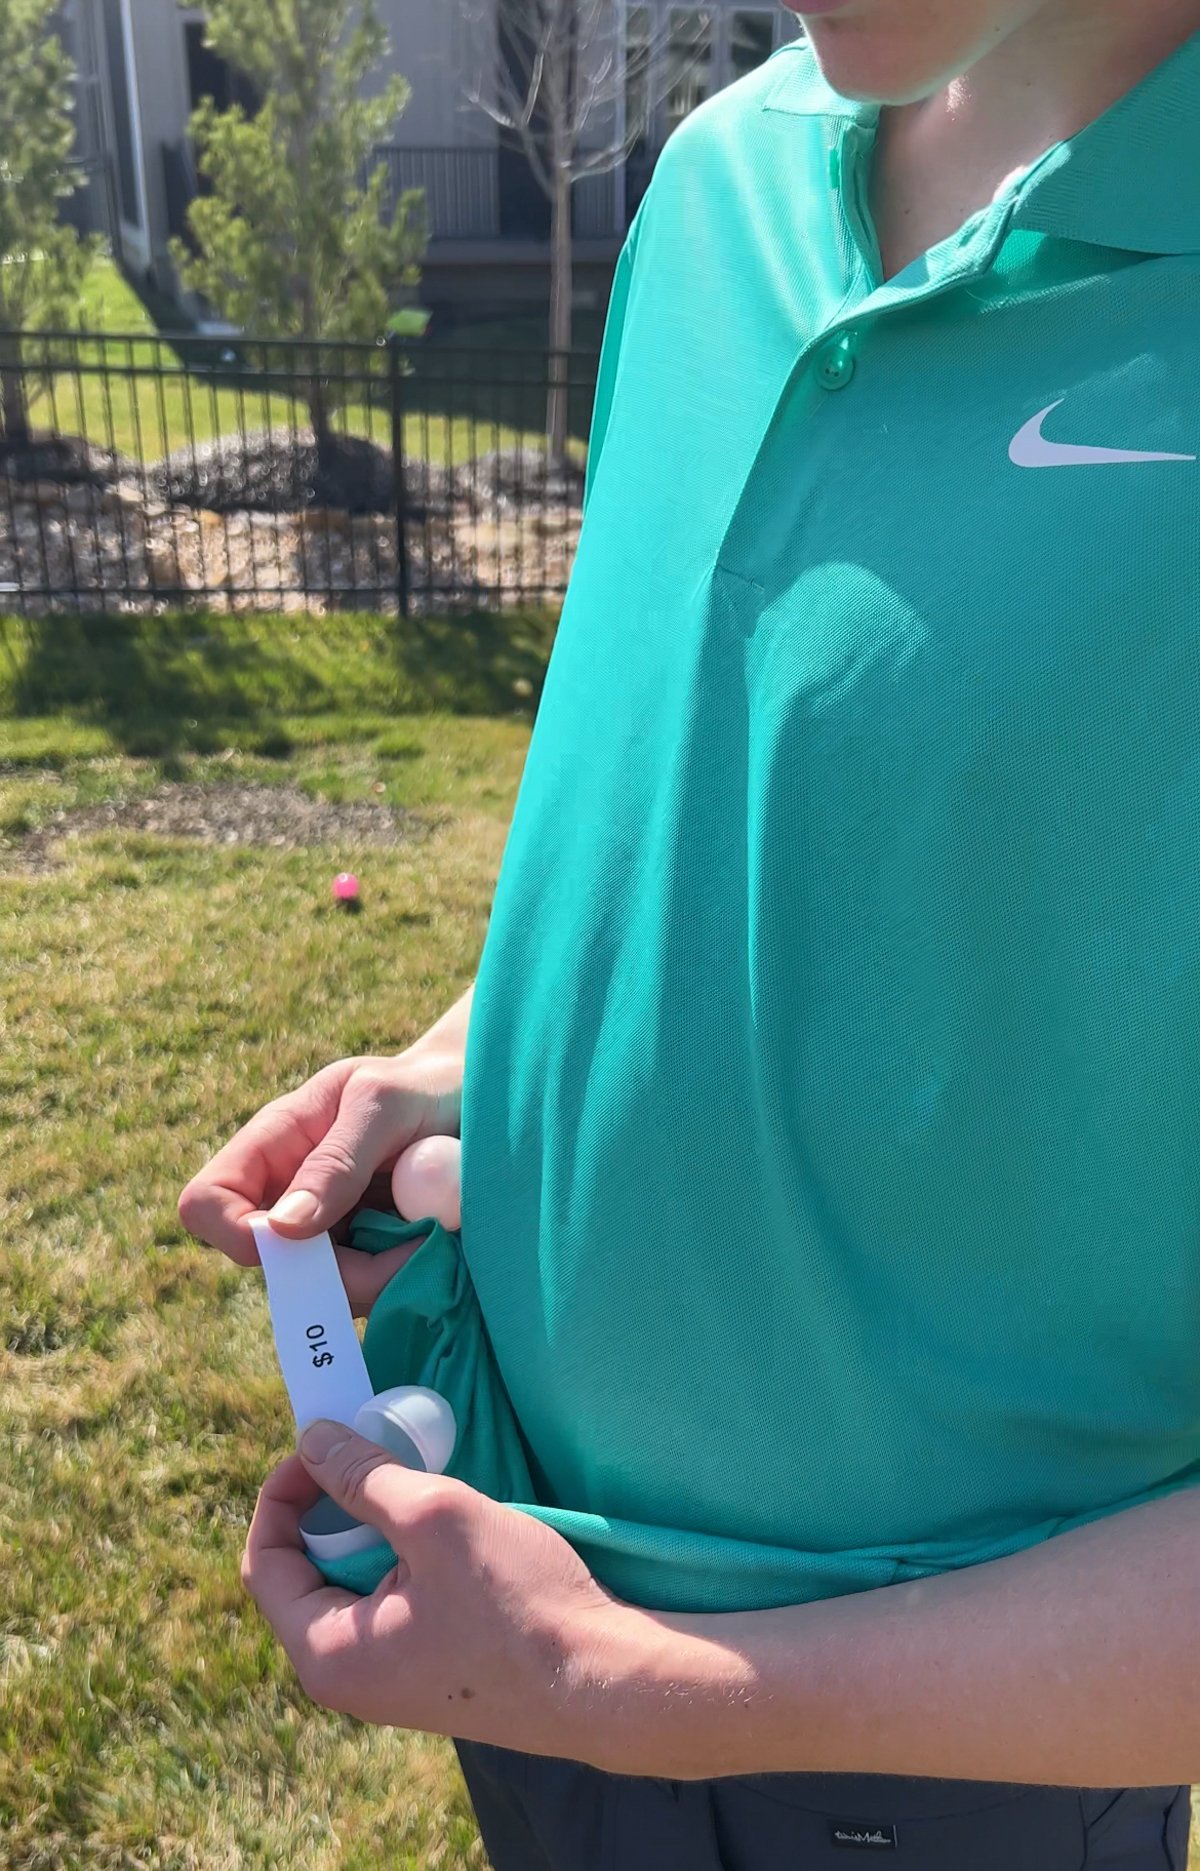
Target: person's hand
x,y
489,1627
316,1155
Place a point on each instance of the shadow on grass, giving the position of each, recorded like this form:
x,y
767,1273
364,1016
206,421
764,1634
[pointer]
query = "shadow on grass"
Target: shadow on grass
x,y
139,678
491,395
495,372
478,662
189,683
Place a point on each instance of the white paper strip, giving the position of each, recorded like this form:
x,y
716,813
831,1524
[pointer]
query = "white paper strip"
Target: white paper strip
x,y
319,1350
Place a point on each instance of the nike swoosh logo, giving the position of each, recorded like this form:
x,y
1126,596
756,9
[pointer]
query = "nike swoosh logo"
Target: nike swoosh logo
x,y
1030,449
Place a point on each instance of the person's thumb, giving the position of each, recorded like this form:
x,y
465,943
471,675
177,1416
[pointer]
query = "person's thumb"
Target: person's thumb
x,y
371,1485
336,1172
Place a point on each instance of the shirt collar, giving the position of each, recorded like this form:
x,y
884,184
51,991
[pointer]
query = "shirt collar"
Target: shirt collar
x,y
1130,180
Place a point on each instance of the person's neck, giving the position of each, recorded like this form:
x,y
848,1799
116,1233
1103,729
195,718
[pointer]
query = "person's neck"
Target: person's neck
x,y
941,159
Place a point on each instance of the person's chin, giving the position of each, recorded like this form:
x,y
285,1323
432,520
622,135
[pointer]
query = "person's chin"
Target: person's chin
x,y
868,64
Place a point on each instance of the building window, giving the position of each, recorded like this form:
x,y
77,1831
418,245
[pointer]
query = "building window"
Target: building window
x,y
677,56
637,72
209,75
751,42
689,73
116,47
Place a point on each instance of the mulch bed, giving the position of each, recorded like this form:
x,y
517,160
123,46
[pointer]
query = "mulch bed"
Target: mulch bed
x,y
265,472
274,471
66,458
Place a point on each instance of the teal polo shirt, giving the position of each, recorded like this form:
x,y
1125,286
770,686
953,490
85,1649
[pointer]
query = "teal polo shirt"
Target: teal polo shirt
x,y
831,1120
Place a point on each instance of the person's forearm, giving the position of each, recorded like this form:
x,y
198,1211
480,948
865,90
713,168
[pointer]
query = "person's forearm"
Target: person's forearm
x,y
448,1036
1073,1663
440,1054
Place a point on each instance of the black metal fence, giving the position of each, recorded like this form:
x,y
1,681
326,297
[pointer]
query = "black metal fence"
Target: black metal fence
x,y
141,473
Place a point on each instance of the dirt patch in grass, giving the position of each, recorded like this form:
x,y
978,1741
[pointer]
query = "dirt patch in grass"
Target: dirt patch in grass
x,y
282,817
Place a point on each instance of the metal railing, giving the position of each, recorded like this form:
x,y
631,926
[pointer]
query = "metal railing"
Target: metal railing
x,y
155,472
465,198
462,188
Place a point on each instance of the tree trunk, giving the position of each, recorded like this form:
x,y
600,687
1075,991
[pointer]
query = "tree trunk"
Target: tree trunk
x,y
318,414
313,386
16,409
560,317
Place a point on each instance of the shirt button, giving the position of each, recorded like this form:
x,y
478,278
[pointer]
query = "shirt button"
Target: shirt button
x,y
835,363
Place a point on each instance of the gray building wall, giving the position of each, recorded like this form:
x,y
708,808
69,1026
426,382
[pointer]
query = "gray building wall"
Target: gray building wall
x,y
442,143
430,46
165,106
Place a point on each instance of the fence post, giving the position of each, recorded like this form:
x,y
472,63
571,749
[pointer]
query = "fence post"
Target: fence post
x,y
399,502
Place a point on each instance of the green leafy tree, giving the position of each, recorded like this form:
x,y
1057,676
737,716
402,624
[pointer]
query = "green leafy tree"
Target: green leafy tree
x,y
294,240
42,261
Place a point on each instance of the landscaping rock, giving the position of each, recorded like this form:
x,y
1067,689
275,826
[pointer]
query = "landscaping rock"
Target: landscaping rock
x,y
123,551
324,520
527,474
36,493
275,472
126,497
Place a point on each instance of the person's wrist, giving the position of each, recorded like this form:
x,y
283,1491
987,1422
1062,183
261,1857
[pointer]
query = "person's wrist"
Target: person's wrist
x,y
593,1684
653,1695
622,1668
436,1075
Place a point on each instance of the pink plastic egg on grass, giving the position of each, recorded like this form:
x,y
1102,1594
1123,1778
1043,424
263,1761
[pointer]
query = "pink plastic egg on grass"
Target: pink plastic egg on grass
x,y
426,1181
345,887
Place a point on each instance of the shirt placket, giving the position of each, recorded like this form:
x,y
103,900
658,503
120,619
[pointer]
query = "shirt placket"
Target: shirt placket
x,y
835,355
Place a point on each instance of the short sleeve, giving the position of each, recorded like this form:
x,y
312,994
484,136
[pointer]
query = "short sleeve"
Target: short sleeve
x,y
610,351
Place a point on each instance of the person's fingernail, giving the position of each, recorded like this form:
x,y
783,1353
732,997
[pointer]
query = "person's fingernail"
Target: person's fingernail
x,y
294,1208
323,1439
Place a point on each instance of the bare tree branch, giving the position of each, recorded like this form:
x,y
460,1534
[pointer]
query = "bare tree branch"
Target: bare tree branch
x,y
556,67
558,76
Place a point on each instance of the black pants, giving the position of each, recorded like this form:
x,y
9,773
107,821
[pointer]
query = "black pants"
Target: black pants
x,y
537,1814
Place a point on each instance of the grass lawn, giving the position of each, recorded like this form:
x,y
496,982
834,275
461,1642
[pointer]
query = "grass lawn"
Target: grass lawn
x,y
471,392
155,993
